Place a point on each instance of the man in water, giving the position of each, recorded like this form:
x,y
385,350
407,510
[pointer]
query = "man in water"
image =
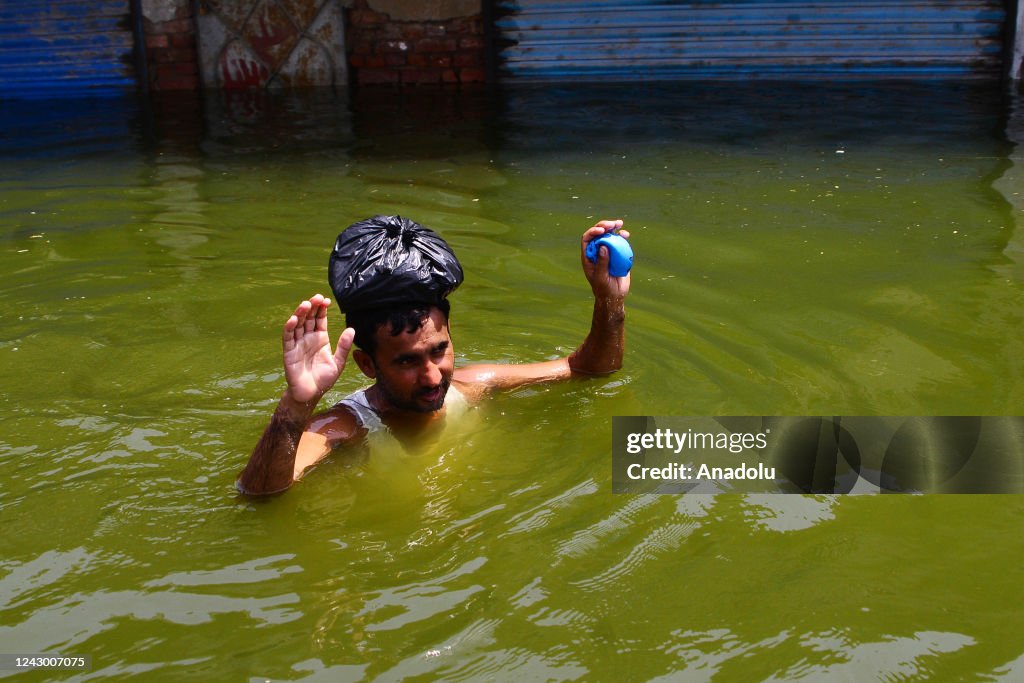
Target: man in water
x,y
407,351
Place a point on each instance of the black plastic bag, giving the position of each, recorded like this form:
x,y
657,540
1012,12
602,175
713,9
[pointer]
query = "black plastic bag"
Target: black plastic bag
x,y
387,260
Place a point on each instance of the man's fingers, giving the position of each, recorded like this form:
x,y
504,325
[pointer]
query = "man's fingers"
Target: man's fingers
x,y
309,315
321,315
591,234
603,258
288,333
300,315
344,345
601,228
609,226
302,311
310,309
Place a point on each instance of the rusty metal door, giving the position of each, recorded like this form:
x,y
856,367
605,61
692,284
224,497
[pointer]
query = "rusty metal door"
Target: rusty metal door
x,y
626,39
61,46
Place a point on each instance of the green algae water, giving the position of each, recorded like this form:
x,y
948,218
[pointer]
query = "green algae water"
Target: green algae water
x,y
801,250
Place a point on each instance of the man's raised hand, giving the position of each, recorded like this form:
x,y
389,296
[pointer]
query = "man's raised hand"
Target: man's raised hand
x,y
604,285
309,366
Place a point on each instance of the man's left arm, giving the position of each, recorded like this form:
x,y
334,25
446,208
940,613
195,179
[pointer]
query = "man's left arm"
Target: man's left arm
x,y
599,354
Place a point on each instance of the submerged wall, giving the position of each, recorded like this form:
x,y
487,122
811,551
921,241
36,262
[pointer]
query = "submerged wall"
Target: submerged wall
x,y
55,47
169,33
237,44
271,43
406,42
255,44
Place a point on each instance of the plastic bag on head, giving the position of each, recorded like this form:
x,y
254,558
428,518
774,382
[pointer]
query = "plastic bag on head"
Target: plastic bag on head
x,y
387,260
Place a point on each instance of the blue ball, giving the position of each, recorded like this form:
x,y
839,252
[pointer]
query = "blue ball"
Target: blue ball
x,y
620,254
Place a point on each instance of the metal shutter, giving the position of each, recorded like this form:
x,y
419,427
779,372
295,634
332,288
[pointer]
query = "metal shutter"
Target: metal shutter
x,y
57,46
622,39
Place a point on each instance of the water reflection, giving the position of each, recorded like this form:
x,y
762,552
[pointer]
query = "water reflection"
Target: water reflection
x,y
1011,185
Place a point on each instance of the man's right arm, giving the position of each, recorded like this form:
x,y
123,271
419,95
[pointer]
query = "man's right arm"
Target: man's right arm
x,y
294,439
601,351
292,443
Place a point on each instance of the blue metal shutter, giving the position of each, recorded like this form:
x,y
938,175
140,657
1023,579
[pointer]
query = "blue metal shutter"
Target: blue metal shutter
x,y
623,39
61,46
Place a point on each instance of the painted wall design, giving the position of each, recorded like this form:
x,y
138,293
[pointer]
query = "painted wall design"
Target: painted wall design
x,y
271,43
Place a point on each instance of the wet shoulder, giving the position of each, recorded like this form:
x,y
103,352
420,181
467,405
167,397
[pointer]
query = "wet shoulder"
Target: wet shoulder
x,y
470,391
337,424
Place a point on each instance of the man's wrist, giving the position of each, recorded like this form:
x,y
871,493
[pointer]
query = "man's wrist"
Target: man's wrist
x,y
271,467
295,410
610,307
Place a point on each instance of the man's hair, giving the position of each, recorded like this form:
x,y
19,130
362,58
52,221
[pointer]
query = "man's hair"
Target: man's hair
x,y
407,317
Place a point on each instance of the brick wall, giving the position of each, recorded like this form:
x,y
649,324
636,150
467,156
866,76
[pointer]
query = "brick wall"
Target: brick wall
x,y
386,42
171,58
387,50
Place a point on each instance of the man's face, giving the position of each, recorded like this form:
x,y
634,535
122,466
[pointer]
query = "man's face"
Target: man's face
x,y
414,369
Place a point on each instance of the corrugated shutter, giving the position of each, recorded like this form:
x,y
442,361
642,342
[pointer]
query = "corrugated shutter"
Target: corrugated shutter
x,y
621,39
57,46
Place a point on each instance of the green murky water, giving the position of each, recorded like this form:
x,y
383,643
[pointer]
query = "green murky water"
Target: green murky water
x,y
801,250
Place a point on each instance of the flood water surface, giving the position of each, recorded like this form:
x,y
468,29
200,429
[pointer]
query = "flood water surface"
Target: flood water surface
x,y
801,250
